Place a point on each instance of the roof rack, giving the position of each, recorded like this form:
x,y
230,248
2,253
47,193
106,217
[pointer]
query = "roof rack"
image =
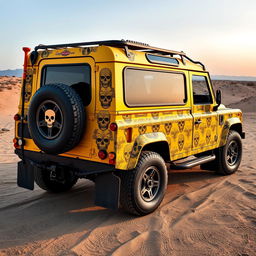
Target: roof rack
x,y
126,44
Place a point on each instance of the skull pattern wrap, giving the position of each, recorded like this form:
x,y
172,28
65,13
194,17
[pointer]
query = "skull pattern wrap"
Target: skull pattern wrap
x,y
103,119
106,93
103,138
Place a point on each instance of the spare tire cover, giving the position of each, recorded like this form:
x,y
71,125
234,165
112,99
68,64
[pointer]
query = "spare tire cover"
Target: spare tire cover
x,y
56,118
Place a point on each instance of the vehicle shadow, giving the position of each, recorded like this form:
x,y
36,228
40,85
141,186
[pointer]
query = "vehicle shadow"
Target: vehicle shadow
x,y
48,216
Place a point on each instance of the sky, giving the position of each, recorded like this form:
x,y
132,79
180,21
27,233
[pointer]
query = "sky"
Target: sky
x,y
219,33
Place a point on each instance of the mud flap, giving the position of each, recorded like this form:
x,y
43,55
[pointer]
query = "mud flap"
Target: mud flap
x,y
25,177
107,190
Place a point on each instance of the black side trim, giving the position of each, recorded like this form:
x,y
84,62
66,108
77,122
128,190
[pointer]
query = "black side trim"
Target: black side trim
x,y
84,167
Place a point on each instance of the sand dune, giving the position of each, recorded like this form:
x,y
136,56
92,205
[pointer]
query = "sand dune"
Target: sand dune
x,y
202,213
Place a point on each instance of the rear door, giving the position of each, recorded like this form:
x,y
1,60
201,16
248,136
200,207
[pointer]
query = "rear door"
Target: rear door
x,y
79,73
204,118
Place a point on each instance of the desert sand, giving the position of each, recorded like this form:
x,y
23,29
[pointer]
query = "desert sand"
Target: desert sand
x,y
202,213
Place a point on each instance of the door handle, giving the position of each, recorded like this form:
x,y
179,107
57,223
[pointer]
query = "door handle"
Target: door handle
x,y
198,121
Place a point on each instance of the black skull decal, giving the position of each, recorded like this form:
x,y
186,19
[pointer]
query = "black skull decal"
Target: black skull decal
x,y
168,127
181,142
28,92
106,96
45,54
208,136
127,118
135,150
103,138
196,139
127,152
155,127
103,119
105,78
208,121
181,125
155,115
142,129
180,113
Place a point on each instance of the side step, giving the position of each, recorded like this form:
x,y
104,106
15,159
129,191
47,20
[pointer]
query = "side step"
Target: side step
x,y
194,162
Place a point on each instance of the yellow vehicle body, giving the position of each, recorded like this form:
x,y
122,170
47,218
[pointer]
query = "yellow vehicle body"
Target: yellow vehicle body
x,y
170,125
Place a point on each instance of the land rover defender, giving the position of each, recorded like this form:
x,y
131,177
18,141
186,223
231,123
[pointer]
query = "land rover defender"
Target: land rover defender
x,y
117,112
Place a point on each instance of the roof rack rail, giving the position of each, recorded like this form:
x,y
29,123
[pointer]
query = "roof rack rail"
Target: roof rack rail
x,y
126,44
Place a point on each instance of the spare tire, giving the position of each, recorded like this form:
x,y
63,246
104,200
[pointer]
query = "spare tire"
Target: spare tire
x,y
56,118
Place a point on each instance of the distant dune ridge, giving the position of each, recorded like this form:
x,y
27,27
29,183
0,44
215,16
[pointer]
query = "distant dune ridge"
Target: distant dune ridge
x,y
202,213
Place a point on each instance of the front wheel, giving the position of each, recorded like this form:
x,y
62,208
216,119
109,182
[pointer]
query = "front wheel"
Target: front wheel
x,y
228,157
143,189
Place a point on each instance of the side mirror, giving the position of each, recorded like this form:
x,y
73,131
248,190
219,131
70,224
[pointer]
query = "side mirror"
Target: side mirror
x,y
218,100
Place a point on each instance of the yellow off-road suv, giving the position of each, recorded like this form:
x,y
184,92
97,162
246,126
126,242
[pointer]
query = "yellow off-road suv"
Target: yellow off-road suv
x,y
117,112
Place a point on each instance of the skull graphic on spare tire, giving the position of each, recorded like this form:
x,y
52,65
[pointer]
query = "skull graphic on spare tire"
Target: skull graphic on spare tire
x,y
56,118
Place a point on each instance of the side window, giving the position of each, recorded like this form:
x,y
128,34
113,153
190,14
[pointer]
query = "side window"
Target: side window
x,y
153,88
201,90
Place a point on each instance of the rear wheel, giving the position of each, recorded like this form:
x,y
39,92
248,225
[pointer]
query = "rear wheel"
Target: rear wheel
x,y
59,180
143,189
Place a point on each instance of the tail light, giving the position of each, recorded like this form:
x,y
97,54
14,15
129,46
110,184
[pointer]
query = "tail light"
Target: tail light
x,y
16,117
102,154
111,155
112,161
15,143
113,127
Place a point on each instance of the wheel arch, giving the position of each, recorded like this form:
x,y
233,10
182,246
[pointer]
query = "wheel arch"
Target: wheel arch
x,y
233,124
156,142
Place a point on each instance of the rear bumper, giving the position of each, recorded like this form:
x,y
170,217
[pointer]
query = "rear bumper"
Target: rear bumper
x,y
243,135
83,167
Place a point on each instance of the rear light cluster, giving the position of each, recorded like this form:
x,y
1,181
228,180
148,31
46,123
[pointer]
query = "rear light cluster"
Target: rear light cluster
x,y
111,156
18,142
103,154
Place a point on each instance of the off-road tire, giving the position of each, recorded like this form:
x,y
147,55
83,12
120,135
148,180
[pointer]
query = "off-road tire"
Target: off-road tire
x,y
131,180
42,179
222,166
73,113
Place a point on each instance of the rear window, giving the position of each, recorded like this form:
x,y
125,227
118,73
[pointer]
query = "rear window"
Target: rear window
x,y
76,76
153,88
